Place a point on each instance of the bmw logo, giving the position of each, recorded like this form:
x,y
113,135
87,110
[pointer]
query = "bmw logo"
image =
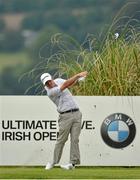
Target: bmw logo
x,y
118,130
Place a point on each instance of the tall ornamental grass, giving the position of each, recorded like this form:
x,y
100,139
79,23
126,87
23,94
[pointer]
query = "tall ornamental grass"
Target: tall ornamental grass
x,y
113,63
115,70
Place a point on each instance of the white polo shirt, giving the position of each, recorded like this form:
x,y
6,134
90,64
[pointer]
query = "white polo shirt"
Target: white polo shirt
x,y
63,99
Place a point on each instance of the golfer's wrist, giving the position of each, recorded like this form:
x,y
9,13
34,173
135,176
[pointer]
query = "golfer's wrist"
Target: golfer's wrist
x,y
79,75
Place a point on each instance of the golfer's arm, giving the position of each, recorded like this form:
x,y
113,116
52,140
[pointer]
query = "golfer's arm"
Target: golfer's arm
x,y
69,82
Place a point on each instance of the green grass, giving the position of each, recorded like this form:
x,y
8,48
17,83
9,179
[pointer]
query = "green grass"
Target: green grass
x,y
113,65
13,59
78,173
115,70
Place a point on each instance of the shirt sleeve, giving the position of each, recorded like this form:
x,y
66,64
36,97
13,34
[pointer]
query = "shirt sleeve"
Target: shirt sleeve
x,y
60,80
56,91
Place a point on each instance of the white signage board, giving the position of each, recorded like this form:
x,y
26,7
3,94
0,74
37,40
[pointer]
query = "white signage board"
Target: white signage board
x,y
110,133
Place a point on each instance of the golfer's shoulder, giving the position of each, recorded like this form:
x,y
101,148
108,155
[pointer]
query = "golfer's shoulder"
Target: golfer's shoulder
x,y
59,80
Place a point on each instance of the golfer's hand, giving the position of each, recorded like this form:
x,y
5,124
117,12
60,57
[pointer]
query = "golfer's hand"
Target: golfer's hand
x,y
83,74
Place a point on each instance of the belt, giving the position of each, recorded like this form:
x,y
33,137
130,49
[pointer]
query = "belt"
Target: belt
x,y
71,110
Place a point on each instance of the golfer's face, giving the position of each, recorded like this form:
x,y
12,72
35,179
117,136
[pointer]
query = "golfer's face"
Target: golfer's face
x,y
50,83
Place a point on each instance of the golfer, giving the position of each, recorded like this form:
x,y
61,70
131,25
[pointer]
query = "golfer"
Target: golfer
x,y
69,117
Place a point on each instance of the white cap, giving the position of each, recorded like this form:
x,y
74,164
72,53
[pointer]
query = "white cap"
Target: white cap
x,y
45,77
